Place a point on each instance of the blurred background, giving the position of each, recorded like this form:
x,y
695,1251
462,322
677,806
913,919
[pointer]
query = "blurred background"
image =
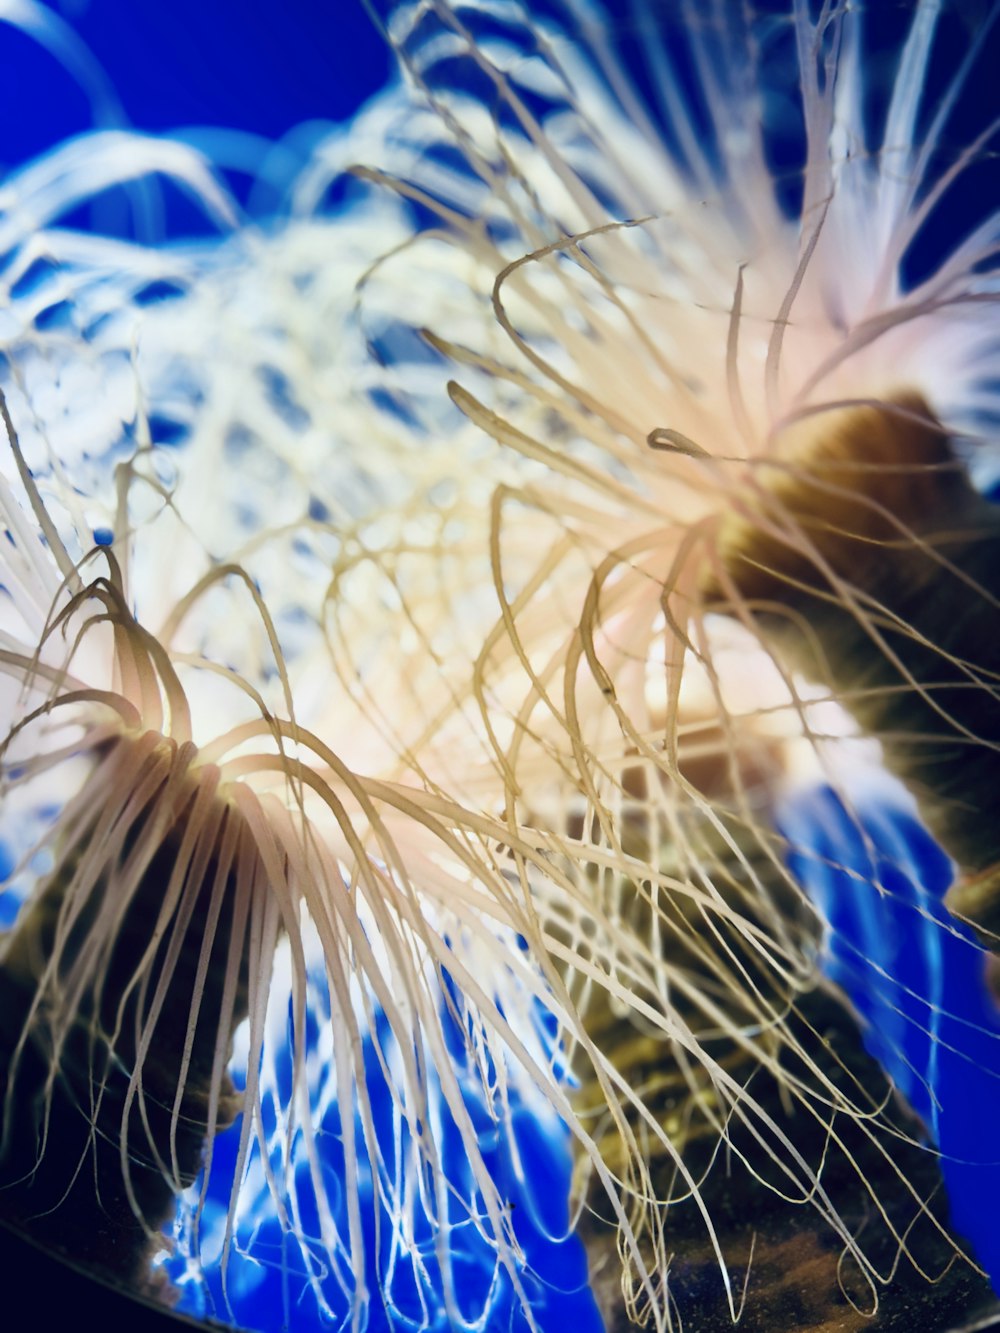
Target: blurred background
x,y
234,65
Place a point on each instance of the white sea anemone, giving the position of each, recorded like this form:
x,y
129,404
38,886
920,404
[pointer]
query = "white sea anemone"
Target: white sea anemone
x,y
646,311
754,393
237,651
478,697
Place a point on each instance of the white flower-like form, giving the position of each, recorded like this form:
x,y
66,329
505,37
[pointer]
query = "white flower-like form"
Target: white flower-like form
x,y
657,318
667,323
243,596
649,312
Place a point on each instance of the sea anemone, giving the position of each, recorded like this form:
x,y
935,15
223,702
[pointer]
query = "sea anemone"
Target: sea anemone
x,y
483,721
708,292
236,715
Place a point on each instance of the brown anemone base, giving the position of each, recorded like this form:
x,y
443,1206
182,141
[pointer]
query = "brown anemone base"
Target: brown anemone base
x,y
787,1265
67,1115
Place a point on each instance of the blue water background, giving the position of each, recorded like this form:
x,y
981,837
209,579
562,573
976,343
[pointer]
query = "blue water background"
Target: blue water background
x,y
917,979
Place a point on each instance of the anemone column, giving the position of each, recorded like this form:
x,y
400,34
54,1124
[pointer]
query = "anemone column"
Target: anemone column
x,y
869,562
120,989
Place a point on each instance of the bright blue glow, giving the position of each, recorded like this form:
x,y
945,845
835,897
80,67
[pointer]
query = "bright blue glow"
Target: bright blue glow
x,y
917,979
268,1279
9,902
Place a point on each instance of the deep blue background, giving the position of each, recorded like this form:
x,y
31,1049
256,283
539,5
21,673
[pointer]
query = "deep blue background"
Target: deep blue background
x,y
248,64
190,68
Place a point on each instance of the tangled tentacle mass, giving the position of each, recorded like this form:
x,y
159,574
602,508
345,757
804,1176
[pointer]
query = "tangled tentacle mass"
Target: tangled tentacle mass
x,y
419,614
